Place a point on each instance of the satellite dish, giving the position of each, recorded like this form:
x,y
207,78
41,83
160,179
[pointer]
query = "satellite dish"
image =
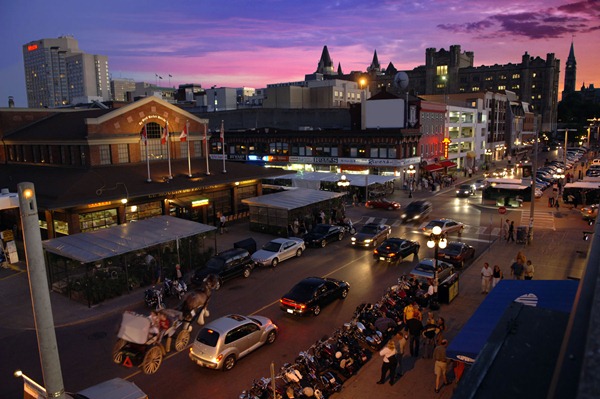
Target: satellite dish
x,y
401,80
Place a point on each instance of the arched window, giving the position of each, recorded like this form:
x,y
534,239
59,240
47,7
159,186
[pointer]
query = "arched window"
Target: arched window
x,y
156,150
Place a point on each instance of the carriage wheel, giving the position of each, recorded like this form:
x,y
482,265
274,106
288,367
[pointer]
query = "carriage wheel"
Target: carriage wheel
x,y
152,360
117,353
183,338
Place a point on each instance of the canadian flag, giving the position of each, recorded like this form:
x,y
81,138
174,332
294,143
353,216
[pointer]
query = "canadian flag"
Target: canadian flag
x,y
144,136
165,134
184,134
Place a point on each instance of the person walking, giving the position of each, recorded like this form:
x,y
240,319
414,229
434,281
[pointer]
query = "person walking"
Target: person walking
x,y
529,270
400,341
496,275
222,221
511,232
556,204
389,362
430,331
415,326
517,269
441,364
486,278
505,230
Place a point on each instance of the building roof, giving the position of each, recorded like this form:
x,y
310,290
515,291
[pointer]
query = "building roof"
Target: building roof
x,y
58,187
117,240
294,199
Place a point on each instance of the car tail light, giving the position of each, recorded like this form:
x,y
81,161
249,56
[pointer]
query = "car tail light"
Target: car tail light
x,y
391,255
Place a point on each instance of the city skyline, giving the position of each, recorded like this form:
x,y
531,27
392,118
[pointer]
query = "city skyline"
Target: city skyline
x,y
238,43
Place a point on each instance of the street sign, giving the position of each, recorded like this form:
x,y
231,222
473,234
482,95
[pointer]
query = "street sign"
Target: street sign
x,y
502,210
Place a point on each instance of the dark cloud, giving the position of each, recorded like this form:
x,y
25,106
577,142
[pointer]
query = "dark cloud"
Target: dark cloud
x,y
547,23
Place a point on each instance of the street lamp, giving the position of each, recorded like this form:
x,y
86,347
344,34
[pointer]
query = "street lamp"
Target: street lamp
x,y
437,239
343,183
411,172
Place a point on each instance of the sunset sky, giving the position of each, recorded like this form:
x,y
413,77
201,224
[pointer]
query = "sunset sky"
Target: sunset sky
x,y
235,43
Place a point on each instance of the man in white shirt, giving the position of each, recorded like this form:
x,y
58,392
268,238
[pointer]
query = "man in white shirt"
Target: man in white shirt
x,y
486,278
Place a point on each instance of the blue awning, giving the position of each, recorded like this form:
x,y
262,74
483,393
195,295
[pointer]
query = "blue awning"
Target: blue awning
x,y
547,294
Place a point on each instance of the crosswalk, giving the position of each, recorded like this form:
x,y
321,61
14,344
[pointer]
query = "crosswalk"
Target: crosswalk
x,y
542,219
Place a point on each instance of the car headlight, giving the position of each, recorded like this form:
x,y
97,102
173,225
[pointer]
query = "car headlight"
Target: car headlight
x,y
417,216
353,238
403,215
368,240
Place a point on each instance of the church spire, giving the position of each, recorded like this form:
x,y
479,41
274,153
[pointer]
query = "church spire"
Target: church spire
x,y
325,65
374,67
570,72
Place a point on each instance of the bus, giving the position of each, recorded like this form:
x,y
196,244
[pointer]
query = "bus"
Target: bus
x,y
509,189
581,192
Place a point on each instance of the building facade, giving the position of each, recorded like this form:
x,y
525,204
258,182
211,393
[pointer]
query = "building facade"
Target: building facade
x,y
57,73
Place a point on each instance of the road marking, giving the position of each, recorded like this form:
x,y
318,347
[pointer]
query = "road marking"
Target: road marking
x,y
542,219
369,220
383,221
480,230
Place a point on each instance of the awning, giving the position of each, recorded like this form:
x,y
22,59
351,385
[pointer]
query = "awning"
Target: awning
x,y
547,294
448,164
289,200
433,167
105,243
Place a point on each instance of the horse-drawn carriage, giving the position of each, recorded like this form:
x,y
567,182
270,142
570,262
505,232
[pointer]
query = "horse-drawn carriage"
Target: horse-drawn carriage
x,y
140,341
139,345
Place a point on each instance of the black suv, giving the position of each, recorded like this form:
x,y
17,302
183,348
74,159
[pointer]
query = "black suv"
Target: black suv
x,y
226,265
416,211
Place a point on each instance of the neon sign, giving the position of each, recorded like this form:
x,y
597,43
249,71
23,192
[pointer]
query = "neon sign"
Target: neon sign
x,y
199,202
446,141
32,47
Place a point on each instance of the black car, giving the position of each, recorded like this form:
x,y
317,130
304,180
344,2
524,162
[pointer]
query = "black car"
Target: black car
x,y
311,294
322,234
464,190
456,253
226,265
395,249
416,211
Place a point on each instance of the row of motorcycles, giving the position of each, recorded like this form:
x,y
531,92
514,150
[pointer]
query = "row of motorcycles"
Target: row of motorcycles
x,y
322,369
154,297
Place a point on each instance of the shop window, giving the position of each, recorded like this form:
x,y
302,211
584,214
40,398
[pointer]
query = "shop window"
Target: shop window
x,y
97,220
143,211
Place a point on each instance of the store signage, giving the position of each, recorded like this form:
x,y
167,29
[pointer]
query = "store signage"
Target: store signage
x,y
236,157
146,119
446,141
97,204
200,202
326,160
296,159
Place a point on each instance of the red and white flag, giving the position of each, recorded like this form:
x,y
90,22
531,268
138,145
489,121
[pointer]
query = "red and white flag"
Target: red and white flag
x,y
222,132
144,136
165,134
184,134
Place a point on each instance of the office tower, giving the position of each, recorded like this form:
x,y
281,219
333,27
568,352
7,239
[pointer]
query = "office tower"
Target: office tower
x,y
57,72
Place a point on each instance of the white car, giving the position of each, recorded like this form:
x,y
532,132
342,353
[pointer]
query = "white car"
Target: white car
x,y
278,250
447,226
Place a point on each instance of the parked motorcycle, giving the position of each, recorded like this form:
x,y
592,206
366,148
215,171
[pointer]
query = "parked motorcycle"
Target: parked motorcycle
x,y
153,297
174,288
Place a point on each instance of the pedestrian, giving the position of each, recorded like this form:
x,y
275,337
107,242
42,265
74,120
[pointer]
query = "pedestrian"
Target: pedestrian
x,y
178,273
511,232
517,269
497,275
389,362
415,326
441,322
430,332
505,230
400,341
222,221
556,205
441,364
354,199
408,312
529,270
575,202
486,278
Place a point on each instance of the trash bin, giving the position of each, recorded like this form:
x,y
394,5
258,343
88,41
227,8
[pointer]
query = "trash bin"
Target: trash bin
x,y
448,289
522,234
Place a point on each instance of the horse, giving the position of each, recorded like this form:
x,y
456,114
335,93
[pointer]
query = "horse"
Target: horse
x,y
194,302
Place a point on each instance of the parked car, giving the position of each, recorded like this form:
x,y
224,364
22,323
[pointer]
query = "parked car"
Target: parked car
x,y
278,250
416,210
425,270
322,234
395,249
222,342
228,264
371,234
464,190
456,253
382,204
311,294
447,226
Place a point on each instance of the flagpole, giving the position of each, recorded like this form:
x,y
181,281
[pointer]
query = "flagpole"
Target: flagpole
x,y
206,150
223,144
187,129
149,180
169,150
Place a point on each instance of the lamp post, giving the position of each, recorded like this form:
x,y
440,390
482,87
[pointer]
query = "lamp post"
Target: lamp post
x,y
411,172
343,184
437,239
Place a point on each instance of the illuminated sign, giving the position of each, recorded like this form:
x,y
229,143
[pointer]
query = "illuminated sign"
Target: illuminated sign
x,y
32,47
199,202
446,141
97,204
